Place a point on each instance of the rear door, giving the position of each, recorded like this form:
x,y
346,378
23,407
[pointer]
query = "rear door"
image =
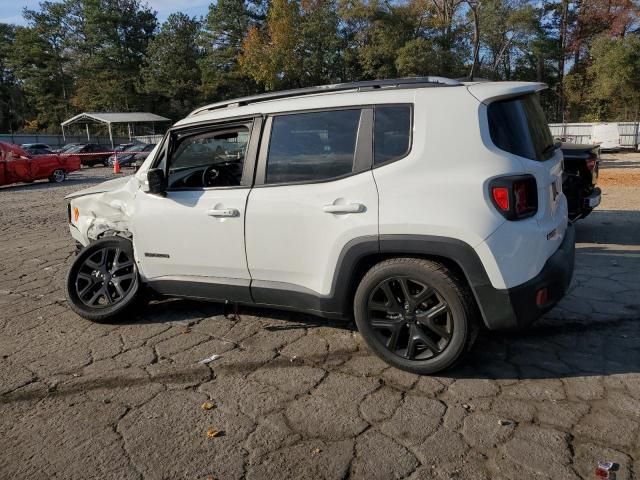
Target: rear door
x,y
314,193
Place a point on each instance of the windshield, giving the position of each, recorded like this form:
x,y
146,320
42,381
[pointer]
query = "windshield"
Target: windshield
x,y
518,126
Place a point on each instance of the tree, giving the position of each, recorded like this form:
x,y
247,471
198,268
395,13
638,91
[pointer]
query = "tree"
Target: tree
x,y
444,24
508,32
321,46
418,57
12,103
613,79
377,33
171,73
115,38
40,60
226,27
270,54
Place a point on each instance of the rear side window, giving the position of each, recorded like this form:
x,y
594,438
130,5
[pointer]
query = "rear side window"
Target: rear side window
x,y
392,133
314,146
518,126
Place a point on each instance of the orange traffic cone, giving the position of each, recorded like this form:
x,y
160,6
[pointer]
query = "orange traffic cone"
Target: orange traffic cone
x,y
116,166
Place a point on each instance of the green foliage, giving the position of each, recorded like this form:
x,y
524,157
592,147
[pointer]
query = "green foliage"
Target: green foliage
x,y
606,87
270,54
171,74
40,61
115,38
320,45
226,26
12,105
417,57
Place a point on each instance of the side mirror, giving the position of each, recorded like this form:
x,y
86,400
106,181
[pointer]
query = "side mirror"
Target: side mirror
x,y
155,177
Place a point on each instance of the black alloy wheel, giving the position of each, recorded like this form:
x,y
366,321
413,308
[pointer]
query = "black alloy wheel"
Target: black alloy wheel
x,y
415,314
106,277
103,281
411,318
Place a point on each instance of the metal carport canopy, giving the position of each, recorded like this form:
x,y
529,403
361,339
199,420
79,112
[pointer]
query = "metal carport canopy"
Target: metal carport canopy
x,y
111,118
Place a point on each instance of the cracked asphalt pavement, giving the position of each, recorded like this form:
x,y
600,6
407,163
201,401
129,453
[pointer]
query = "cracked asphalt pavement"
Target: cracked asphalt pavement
x,y
298,397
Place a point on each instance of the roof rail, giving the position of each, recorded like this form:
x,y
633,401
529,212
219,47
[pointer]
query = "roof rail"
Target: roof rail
x,y
415,82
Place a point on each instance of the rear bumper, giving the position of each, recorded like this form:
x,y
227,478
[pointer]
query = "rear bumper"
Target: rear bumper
x,y
517,307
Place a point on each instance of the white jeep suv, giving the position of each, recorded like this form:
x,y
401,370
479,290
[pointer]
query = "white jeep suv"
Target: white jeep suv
x,y
420,207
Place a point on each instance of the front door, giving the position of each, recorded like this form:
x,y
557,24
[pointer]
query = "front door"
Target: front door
x,y
190,242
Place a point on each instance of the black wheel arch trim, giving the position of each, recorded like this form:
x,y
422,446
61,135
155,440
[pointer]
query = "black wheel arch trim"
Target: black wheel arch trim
x,y
495,305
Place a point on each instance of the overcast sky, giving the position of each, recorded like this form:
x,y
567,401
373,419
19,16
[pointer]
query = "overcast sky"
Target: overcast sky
x,y
11,11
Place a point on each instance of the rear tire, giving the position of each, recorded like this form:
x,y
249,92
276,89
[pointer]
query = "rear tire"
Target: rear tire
x,y
415,314
103,283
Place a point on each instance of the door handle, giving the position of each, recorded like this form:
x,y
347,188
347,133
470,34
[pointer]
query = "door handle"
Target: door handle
x,y
348,208
223,212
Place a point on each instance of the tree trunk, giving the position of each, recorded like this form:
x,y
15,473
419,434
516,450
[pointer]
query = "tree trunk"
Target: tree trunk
x,y
476,37
562,46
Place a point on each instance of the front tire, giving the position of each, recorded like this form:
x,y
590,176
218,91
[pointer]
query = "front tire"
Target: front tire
x,y
415,314
103,283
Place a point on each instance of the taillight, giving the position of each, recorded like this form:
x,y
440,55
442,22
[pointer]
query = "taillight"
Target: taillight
x,y
515,197
501,198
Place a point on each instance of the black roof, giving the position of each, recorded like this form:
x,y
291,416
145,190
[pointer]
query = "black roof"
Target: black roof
x,y
415,82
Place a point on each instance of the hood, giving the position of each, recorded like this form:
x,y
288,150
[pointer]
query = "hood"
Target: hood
x,y
102,187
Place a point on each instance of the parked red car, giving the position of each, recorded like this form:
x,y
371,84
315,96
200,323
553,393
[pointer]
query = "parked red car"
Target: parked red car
x,y
16,165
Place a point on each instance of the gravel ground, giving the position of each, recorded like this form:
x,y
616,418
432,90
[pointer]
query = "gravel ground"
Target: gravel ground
x,y
297,397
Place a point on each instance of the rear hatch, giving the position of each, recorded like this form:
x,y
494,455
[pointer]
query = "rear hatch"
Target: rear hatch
x,y
518,126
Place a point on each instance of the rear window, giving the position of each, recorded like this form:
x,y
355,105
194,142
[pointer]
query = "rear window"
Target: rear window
x,y
392,133
518,126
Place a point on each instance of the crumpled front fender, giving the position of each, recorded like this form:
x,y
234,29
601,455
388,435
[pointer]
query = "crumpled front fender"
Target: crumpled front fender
x,y
105,209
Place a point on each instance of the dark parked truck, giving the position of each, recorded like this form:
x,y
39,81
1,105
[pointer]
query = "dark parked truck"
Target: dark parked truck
x,y
581,164
91,154
16,165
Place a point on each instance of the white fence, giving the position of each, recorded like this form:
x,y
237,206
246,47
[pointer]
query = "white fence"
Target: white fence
x,y
583,132
148,138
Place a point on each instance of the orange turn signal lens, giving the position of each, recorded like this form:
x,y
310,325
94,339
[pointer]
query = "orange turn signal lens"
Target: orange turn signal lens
x,y
76,214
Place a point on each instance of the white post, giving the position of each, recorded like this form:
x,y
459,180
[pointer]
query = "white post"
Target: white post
x,y
110,135
64,139
129,129
87,128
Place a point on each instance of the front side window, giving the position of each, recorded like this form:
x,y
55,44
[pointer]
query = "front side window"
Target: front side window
x,y
518,126
210,159
392,133
316,146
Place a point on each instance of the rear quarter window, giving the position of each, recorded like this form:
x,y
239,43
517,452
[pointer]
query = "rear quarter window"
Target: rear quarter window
x,y
518,126
392,133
